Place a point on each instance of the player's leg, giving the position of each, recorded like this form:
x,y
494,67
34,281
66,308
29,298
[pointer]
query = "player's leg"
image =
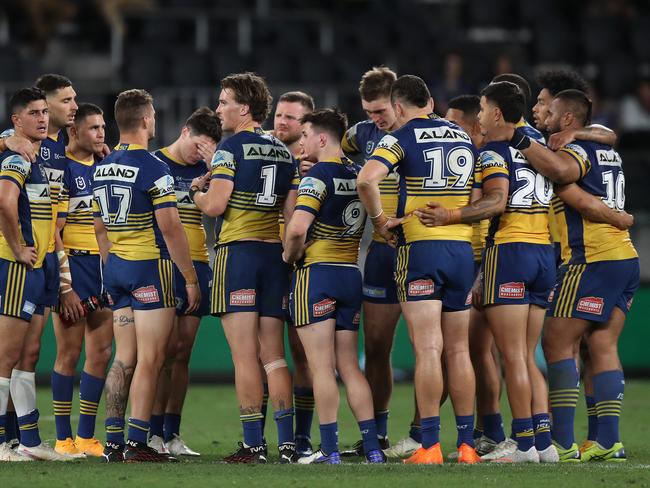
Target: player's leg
x,y
156,439
303,393
590,402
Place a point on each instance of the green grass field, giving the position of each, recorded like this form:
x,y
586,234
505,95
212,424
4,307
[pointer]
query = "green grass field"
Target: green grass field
x,y
211,426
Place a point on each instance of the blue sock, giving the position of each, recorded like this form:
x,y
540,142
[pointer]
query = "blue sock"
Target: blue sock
x,y
303,400
28,424
592,418
90,393
608,392
3,421
115,430
368,430
478,427
493,427
284,423
563,392
138,430
172,425
11,426
62,401
415,433
430,431
252,425
381,419
265,405
329,438
465,428
522,432
542,428
156,427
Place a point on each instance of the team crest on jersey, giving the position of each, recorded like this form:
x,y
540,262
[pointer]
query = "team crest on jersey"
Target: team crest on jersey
x,y
370,145
81,182
324,307
242,298
514,289
420,288
593,305
146,294
45,153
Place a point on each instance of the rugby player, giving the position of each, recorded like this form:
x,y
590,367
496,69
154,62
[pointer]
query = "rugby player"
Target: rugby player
x,y
325,299
138,230
434,270
291,107
87,323
253,178
186,158
25,223
593,254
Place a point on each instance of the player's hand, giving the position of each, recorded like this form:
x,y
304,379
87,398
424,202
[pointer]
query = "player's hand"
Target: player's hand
x,y
201,182
385,227
71,308
304,166
625,220
561,139
477,292
21,146
434,215
193,298
103,152
206,150
27,256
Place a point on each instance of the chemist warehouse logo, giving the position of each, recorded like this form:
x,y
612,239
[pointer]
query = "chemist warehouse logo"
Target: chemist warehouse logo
x,y
593,305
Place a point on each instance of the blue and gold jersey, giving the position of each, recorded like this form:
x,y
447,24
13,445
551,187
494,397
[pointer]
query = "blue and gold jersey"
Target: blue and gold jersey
x,y
34,204
601,174
263,171
525,218
191,216
128,186
76,205
329,191
436,161
53,158
362,138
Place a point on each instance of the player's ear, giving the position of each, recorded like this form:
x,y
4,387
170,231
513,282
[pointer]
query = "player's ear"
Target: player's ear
x,y
322,139
432,104
244,110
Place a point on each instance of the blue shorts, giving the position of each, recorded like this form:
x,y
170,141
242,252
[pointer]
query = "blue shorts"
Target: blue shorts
x,y
326,291
250,276
86,271
20,289
379,274
141,285
49,293
436,270
591,291
518,273
204,274
557,253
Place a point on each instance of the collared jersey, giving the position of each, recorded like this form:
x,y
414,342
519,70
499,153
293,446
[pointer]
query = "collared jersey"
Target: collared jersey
x,y
362,138
329,191
76,205
601,174
191,216
53,158
263,172
525,218
436,162
34,204
128,186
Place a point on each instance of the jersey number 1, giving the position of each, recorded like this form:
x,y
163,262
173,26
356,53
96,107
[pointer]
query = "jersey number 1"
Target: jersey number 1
x,y
267,197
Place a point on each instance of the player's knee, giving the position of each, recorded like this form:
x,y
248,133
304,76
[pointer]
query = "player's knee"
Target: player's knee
x,y
427,351
99,357
274,364
67,360
30,356
9,360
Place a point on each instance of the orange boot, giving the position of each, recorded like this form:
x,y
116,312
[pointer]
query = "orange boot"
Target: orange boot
x,y
467,455
432,455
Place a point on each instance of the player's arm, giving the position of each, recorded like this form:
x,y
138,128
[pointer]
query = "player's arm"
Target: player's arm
x,y
592,207
222,182
289,204
560,167
595,133
19,145
295,235
102,238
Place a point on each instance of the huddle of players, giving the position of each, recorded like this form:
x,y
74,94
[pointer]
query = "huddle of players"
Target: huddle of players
x,y
447,178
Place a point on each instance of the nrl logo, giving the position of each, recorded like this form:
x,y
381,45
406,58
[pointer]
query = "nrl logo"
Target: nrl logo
x,y
45,153
81,183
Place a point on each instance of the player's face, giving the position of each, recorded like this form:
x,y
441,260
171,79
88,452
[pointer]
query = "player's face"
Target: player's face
x,y
189,146
310,143
32,120
63,106
381,112
458,117
487,117
540,110
90,133
228,110
554,113
286,122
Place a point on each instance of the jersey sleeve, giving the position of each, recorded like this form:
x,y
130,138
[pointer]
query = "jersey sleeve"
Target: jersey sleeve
x,y
64,195
295,179
16,169
493,165
223,165
312,192
388,152
349,143
160,187
580,156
